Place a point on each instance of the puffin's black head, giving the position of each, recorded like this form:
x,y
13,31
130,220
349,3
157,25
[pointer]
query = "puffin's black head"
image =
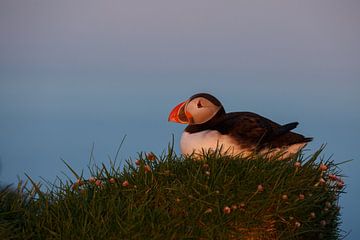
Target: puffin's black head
x,y
198,109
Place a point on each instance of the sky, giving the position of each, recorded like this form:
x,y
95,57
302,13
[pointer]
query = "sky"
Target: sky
x,y
74,74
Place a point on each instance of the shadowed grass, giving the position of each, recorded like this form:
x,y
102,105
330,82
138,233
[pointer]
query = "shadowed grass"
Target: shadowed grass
x,y
176,197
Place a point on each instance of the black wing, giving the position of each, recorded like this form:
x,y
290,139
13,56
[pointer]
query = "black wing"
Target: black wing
x,y
251,129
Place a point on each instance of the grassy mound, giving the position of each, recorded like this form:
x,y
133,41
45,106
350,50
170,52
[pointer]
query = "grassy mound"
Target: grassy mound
x,y
171,197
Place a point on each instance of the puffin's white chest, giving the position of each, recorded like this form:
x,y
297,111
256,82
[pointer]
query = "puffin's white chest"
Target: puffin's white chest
x,y
211,140
208,140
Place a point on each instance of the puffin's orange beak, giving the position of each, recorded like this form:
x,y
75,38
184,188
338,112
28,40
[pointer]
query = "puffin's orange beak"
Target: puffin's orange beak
x,y
178,114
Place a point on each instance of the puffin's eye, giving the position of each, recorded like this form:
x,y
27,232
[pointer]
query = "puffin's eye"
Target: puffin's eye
x,y
199,105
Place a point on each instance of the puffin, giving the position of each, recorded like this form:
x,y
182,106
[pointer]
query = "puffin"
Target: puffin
x,y
210,128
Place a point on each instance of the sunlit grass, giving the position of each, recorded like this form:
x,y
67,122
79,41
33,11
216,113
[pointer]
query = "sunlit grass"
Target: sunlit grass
x,y
177,197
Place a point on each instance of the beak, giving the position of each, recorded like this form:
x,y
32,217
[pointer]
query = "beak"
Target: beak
x,y
178,114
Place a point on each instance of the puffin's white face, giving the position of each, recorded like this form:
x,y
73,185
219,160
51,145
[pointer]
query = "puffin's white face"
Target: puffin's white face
x,y
200,110
196,110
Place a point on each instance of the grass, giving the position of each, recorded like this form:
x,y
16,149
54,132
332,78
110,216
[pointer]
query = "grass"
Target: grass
x,y
177,197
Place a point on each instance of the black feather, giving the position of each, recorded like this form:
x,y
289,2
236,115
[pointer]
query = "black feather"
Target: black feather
x,y
284,129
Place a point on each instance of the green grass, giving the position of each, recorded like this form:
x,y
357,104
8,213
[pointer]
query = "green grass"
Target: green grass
x,y
175,197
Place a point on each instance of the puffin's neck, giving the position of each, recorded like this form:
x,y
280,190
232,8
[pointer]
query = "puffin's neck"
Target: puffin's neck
x,y
193,128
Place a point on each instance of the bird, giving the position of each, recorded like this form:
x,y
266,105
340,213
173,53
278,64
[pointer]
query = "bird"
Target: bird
x,y
210,128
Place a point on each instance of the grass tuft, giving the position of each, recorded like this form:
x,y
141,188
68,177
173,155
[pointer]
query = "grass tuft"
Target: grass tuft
x,y
179,197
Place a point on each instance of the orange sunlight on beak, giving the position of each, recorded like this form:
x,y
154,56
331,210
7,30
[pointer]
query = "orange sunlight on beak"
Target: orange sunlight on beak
x,y
174,114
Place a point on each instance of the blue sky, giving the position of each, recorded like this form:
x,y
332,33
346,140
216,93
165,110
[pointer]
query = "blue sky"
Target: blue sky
x,y
74,73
